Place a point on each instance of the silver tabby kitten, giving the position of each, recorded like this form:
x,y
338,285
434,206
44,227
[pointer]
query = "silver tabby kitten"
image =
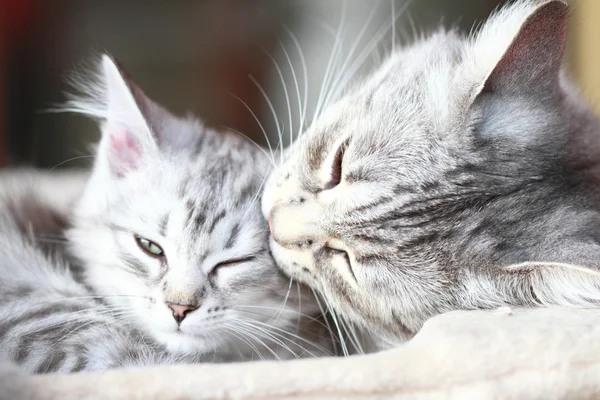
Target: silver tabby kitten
x,y
463,173
169,253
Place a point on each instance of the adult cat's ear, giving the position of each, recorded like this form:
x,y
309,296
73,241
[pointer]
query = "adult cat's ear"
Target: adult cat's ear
x,y
551,284
136,126
521,48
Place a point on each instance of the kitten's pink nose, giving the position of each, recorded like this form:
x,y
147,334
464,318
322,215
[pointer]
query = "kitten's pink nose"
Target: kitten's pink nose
x,y
180,311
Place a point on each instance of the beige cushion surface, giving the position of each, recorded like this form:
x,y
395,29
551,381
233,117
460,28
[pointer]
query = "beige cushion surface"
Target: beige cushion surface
x,y
499,354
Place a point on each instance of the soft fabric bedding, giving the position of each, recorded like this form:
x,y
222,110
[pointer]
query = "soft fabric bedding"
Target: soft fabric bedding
x,y
499,354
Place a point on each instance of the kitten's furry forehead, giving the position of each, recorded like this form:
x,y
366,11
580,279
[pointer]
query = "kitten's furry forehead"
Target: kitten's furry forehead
x,y
193,193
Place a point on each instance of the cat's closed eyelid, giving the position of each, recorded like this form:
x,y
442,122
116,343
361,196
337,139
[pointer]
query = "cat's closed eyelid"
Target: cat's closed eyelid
x,y
231,263
336,168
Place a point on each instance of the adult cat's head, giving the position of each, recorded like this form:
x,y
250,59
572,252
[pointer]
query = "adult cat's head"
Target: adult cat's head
x,y
414,193
169,227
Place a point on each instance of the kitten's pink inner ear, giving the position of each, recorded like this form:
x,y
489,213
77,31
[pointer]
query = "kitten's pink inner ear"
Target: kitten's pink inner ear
x,y
124,151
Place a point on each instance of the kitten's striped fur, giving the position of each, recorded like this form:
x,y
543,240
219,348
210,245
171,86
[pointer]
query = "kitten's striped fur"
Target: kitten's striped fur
x,y
97,300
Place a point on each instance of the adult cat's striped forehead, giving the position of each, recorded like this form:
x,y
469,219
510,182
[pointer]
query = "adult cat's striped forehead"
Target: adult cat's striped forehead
x,y
457,157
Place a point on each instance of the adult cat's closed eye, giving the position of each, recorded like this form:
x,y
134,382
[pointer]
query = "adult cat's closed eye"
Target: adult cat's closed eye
x,y
461,174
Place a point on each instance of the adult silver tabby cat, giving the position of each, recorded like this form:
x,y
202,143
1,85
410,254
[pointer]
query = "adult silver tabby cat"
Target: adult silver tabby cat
x,y
463,173
168,257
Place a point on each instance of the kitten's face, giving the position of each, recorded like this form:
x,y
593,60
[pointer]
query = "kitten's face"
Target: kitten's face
x,y
390,200
179,225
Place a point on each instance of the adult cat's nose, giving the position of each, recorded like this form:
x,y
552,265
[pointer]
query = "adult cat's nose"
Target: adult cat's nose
x,y
293,226
180,311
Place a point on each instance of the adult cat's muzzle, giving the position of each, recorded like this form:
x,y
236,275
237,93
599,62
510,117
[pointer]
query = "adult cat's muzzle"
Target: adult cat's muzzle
x,y
295,226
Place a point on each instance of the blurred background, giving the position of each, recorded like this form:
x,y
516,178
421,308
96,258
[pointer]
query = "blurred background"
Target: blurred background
x,y
226,61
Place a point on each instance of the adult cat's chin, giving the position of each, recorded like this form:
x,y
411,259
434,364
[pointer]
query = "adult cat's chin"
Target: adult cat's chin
x,y
294,264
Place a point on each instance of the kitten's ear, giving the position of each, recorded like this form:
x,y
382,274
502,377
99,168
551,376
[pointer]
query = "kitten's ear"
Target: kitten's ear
x,y
126,135
531,58
135,125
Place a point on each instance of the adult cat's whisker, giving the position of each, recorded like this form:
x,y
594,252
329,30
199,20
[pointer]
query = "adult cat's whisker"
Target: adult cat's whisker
x,y
337,325
269,157
285,90
273,113
299,305
351,333
326,319
255,198
301,104
330,63
342,70
262,128
283,303
362,56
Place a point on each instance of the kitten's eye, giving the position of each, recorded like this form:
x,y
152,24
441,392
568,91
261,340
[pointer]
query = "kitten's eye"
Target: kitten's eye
x,y
233,262
149,247
336,168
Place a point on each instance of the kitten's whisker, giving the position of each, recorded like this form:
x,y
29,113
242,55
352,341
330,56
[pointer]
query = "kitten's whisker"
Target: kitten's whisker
x,y
257,339
262,128
267,335
96,297
299,314
69,160
244,339
284,332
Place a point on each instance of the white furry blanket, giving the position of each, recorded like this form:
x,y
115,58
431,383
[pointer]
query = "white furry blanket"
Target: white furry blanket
x,y
520,354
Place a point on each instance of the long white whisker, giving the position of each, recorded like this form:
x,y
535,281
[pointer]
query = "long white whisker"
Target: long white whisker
x,y
69,160
337,325
274,114
302,112
330,62
284,332
331,334
368,48
342,73
284,86
262,128
249,324
269,157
